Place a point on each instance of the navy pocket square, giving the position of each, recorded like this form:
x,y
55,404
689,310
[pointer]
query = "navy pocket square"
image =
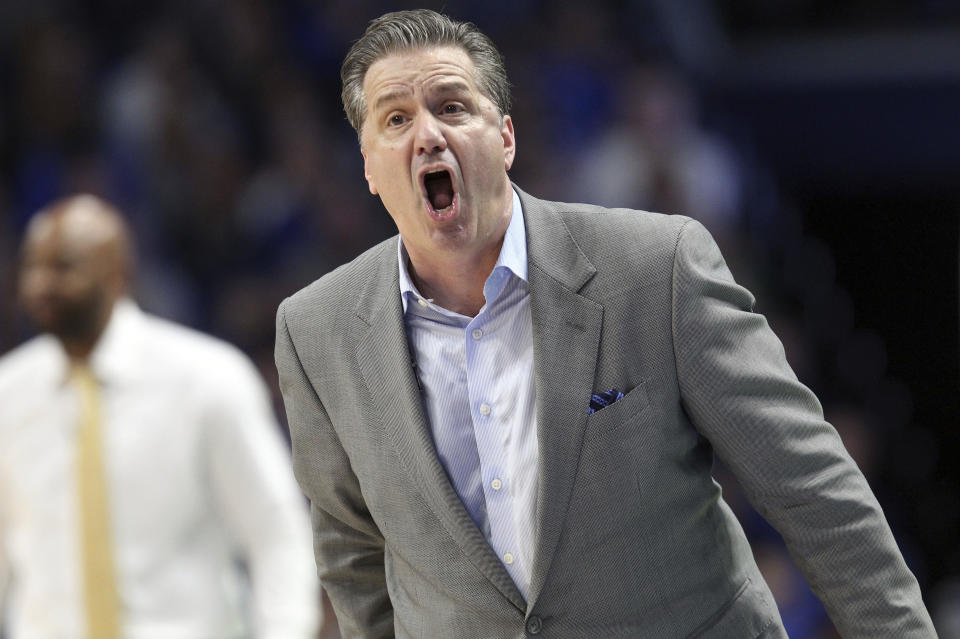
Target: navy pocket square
x,y
604,399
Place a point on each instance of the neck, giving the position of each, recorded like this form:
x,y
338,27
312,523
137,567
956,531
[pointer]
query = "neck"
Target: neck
x,y
78,349
454,278
79,344
456,284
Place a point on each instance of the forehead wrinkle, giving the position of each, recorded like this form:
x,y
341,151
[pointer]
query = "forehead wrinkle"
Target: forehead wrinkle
x,y
391,95
409,69
449,85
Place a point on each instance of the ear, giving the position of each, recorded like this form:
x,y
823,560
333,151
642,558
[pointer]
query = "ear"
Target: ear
x,y
509,142
366,172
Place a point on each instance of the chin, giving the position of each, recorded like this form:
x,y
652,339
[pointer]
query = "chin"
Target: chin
x,y
79,323
453,236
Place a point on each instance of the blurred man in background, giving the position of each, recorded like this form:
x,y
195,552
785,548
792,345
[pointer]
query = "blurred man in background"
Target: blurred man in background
x,y
142,474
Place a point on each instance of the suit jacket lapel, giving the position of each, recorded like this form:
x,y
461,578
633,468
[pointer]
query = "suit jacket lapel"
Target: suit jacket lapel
x,y
566,338
385,362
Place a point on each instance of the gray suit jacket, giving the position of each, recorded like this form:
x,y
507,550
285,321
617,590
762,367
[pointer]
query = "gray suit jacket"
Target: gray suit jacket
x,y
633,539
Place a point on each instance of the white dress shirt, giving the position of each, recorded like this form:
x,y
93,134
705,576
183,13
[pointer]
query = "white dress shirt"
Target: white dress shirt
x,y
478,386
199,480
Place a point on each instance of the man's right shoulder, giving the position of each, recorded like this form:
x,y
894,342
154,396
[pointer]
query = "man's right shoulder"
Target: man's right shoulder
x,y
28,363
337,290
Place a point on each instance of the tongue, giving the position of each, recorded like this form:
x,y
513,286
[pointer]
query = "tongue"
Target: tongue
x,y
439,190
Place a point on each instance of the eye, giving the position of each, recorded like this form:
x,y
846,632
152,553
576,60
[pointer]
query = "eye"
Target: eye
x,y
452,108
395,119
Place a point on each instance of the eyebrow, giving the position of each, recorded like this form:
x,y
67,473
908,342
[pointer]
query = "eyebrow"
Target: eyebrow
x,y
443,87
389,96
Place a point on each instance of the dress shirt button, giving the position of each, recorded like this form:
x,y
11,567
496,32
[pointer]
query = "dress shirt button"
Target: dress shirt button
x,y
534,625
477,333
484,409
496,484
508,558
421,301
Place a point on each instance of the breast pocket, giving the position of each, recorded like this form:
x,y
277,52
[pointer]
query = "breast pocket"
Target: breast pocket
x,y
622,411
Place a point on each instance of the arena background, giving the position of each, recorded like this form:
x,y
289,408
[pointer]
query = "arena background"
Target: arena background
x,y
819,141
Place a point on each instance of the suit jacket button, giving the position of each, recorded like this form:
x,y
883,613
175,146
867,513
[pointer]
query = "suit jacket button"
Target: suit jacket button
x,y
534,625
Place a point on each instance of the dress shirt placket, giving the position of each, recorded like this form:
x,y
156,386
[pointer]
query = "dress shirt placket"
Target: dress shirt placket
x,y
485,352
435,330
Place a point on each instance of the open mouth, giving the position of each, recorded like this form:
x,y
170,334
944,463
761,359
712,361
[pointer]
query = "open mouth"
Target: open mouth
x,y
439,187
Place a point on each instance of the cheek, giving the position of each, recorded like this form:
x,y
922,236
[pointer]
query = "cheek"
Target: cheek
x,y
39,283
28,283
385,167
491,157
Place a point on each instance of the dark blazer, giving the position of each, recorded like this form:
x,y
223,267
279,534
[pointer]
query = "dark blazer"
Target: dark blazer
x,y
633,538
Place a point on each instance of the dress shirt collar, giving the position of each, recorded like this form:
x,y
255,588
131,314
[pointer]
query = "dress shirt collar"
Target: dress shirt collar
x,y
513,253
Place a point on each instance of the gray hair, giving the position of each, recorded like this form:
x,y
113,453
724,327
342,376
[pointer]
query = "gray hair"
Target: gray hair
x,y
418,29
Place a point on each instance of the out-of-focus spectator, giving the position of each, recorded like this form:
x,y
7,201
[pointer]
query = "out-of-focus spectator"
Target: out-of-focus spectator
x,y
655,156
142,475
801,611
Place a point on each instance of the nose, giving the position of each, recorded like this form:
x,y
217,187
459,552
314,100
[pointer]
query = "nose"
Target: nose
x,y
429,135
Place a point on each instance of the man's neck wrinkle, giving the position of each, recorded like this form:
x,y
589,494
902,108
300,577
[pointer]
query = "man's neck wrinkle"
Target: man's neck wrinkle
x,y
456,289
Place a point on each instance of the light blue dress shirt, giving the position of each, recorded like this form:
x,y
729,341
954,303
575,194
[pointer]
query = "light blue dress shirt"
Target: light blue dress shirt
x,y
478,387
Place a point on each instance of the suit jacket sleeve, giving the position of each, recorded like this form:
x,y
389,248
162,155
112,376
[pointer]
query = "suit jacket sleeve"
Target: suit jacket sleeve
x,y
768,428
348,546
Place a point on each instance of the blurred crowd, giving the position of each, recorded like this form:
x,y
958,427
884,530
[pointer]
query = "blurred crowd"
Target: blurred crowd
x,y
216,127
